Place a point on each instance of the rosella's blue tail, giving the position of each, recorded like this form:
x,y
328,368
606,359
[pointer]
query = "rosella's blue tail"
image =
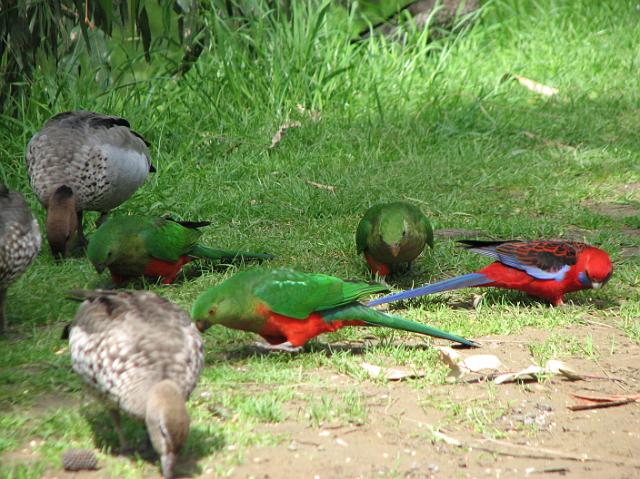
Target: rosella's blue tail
x,y
464,281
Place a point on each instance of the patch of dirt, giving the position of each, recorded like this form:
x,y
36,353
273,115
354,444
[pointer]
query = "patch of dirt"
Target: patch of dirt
x,y
630,252
635,232
575,233
483,430
633,188
613,210
511,430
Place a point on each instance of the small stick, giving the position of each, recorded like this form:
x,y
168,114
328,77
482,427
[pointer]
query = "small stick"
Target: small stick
x,y
320,185
600,405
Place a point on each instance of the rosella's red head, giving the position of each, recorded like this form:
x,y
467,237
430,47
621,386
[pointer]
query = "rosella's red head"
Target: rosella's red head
x,y
597,268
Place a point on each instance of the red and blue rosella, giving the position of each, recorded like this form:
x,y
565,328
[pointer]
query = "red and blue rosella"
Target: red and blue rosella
x,y
544,269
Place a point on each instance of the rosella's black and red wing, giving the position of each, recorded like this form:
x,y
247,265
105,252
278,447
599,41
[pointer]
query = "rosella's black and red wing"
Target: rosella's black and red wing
x,y
539,259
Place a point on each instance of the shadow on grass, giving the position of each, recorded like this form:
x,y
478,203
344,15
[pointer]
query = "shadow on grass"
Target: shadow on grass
x,y
355,348
196,269
496,296
199,444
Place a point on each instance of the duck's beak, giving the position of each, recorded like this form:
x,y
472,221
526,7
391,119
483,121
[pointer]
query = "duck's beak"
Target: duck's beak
x,y
168,462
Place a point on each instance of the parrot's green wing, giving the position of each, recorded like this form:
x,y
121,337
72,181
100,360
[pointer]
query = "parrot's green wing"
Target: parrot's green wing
x,y
428,228
297,295
167,240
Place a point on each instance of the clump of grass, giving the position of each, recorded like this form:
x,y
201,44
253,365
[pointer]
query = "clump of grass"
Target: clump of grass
x,y
559,345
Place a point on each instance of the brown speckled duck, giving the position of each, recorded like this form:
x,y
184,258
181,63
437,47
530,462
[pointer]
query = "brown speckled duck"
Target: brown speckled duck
x,y
84,161
142,354
19,241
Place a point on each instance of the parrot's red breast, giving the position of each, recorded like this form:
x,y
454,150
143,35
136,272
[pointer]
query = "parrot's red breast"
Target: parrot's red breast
x,y
379,268
279,329
167,270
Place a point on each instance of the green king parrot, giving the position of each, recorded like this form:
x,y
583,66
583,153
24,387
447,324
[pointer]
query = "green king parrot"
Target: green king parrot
x,y
390,234
288,308
132,246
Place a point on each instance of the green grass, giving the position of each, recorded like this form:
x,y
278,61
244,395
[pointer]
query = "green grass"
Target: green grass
x,y
427,122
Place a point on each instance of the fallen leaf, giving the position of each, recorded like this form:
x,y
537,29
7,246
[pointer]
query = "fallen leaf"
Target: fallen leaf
x,y
451,441
489,363
611,397
600,405
603,401
449,355
532,371
477,301
390,374
471,364
277,138
320,185
546,142
452,359
481,362
532,85
558,367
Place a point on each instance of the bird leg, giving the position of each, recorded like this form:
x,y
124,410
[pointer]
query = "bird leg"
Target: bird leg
x,y
286,347
101,219
380,278
82,241
413,270
115,416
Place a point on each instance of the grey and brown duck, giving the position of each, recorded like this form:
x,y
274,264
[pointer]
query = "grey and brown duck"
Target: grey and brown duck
x,y
84,161
143,356
19,242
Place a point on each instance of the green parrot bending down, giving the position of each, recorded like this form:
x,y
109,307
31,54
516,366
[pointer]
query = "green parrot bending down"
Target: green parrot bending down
x,y
392,233
132,246
287,308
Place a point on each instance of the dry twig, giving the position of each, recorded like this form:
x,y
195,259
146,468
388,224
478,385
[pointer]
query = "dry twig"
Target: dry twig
x,y
277,138
320,186
531,85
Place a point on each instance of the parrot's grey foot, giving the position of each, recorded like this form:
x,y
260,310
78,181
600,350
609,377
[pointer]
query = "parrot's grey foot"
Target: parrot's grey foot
x,y
413,271
287,347
381,307
378,278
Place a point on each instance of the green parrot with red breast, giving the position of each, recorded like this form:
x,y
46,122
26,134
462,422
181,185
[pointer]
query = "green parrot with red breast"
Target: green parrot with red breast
x,y
392,234
133,246
288,308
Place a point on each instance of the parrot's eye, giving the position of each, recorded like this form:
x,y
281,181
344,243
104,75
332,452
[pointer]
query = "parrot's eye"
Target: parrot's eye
x,y
404,233
212,311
